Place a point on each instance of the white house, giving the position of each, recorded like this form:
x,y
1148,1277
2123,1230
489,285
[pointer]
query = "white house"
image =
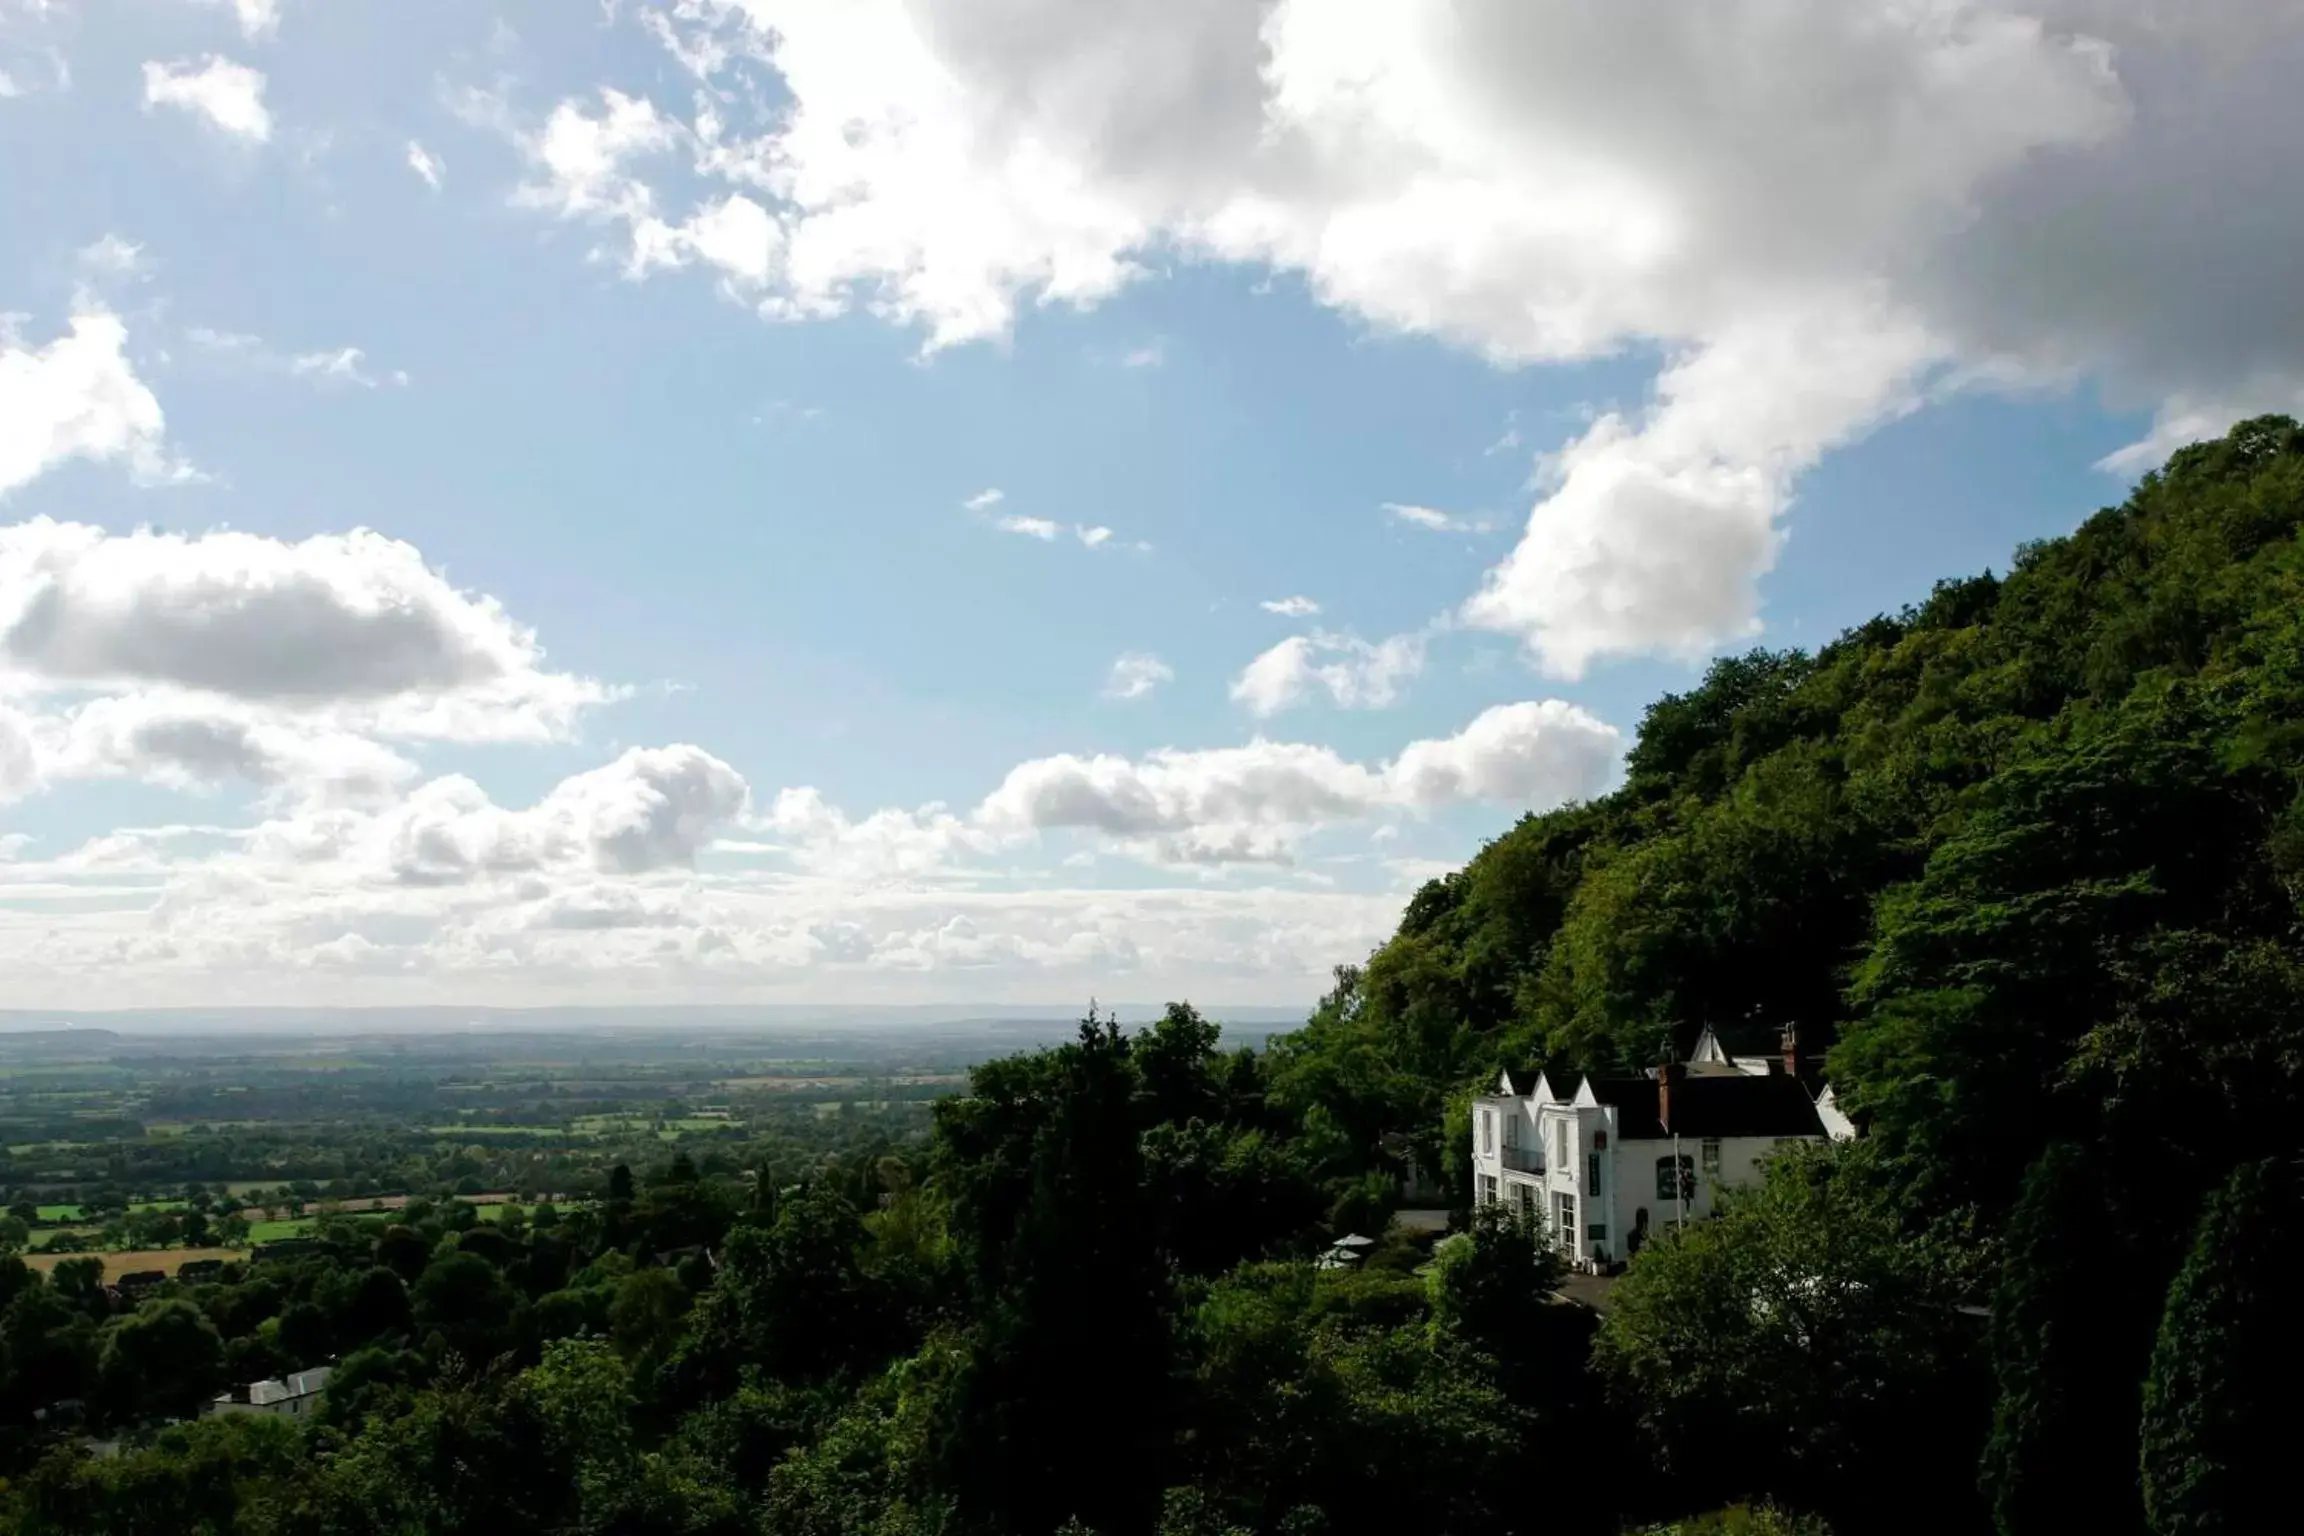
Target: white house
x,y
296,1396
1617,1158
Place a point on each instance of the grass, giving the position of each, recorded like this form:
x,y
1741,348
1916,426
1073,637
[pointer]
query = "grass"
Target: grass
x,y
48,1235
494,1130
278,1231
60,1213
147,1206
118,1264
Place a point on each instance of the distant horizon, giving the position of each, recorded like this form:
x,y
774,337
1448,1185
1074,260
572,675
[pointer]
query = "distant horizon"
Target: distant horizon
x,y
448,1018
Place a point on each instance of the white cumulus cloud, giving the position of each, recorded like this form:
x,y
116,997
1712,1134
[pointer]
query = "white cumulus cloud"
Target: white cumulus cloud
x,y
1255,803
1817,213
1290,607
353,622
78,397
1353,673
227,94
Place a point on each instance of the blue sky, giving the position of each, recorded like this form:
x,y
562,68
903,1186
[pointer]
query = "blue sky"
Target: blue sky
x,y
815,715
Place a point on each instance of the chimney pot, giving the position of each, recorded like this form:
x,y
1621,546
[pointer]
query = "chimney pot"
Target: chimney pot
x,y
1791,1044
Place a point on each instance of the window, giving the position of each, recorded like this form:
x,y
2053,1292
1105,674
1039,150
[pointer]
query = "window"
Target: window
x,y
1486,1188
1487,1133
1592,1173
1564,1219
1560,1146
1669,1188
1527,1199
1712,1156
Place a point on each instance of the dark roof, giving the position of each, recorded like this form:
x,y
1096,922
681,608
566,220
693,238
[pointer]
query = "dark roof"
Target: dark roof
x,y
1712,1106
1634,1100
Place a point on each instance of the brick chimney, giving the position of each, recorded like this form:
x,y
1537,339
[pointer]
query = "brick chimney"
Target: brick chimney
x,y
1791,1047
1666,1075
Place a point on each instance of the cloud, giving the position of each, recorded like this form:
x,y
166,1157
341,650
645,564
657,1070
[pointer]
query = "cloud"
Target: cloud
x,y
258,18
199,744
78,397
426,165
1359,675
1136,674
229,95
643,877
1045,529
581,161
1256,803
1818,214
1436,521
1290,607
346,364
111,256
1143,357
652,809
329,365
355,622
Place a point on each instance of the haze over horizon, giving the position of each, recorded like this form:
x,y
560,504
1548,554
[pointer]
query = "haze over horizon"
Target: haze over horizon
x,y
759,501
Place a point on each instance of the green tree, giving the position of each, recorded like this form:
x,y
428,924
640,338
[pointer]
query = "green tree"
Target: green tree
x,y
465,1298
165,1358
1800,1345
2068,1355
2217,1424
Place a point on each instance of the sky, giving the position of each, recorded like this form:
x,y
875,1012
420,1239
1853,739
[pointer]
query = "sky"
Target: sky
x,y
1004,500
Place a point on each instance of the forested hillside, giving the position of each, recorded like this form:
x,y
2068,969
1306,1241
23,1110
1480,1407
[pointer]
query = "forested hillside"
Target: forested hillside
x,y
2028,858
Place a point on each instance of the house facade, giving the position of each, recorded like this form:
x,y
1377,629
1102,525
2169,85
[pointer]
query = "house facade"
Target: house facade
x,y
293,1397
1610,1161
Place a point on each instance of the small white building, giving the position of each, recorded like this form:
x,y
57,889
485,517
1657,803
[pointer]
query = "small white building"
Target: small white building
x,y
295,1397
1605,1164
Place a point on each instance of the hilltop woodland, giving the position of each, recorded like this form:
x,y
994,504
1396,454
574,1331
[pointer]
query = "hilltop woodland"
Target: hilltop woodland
x,y
2026,858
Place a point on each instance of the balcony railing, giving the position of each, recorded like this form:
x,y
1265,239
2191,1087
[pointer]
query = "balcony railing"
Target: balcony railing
x,y
1523,1159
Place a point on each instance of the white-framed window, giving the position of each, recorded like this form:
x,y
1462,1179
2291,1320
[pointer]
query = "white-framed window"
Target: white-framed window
x,y
1712,1156
1564,1220
1526,1195
1487,1132
1484,1189
1560,1146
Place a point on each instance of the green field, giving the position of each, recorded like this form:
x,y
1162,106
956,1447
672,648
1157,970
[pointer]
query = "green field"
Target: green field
x,y
60,1213
277,1231
494,1130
